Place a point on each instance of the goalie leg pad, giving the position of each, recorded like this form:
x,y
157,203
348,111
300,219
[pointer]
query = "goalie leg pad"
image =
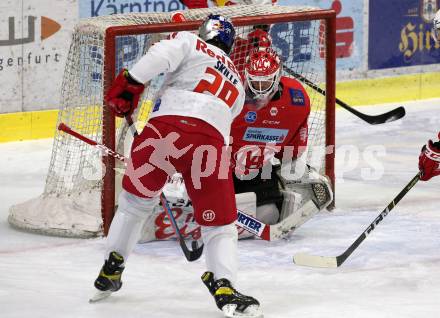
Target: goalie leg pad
x,y
312,186
268,213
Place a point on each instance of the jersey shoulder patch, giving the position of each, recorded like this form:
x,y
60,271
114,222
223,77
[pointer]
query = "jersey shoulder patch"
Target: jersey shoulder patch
x,y
295,91
297,97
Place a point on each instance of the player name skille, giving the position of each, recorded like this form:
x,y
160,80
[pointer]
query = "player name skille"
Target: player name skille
x,y
223,69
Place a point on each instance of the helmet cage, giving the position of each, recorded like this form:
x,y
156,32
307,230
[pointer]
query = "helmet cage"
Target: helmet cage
x,y
260,90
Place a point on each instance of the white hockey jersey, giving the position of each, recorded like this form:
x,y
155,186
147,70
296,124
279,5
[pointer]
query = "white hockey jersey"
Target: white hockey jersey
x,y
201,81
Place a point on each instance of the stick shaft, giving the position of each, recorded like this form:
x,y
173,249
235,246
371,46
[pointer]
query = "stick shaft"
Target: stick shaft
x,y
371,119
336,261
380,217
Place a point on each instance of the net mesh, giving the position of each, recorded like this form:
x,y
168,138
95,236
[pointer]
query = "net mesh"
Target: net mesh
x,y
70,204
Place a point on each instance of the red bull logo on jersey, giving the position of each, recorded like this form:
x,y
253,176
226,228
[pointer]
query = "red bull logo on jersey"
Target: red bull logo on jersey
x,y
203,47
265,135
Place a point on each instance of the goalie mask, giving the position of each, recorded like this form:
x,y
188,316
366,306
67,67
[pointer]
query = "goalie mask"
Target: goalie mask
x,y
219,31
262,75
435,32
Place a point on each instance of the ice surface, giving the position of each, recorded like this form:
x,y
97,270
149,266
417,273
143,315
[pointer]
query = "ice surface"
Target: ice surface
x,y
394,273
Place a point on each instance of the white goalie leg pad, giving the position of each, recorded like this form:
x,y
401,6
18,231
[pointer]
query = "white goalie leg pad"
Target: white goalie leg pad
x,y
312,186
129,219
291,203
221,251
315,187
246,202
268,213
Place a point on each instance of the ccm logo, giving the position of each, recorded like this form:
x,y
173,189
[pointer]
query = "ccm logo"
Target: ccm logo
x,y
271,122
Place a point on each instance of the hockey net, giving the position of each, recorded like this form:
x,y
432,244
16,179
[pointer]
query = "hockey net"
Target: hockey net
x,y
77,201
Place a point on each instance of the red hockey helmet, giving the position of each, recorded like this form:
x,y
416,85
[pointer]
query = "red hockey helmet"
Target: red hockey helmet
x,y
262,75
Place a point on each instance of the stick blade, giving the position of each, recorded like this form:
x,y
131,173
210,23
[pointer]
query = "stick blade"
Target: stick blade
x,y
195,253
388,117
398,113
304,259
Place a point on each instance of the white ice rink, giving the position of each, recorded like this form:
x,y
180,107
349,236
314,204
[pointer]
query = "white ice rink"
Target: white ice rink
x,y
395,273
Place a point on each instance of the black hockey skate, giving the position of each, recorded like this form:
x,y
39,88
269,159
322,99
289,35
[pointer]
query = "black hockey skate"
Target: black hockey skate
x,y
230,301
109,279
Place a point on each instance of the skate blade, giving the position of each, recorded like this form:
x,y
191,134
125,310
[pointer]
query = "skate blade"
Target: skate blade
x,y
99,295
252,311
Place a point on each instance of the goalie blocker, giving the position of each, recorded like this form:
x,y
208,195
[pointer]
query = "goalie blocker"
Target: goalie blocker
x,y
276,198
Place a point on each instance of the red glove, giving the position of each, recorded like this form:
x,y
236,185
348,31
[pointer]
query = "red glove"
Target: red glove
x,y
195,4
429,160
123,96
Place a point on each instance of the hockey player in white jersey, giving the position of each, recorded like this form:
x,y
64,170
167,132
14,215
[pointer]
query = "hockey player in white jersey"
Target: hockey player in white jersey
x,y
201,95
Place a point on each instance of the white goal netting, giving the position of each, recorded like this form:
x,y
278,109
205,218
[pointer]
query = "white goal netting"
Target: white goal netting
x,y
71,202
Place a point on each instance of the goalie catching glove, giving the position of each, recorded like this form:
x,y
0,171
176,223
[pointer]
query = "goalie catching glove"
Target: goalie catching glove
x,y
429,160
124,94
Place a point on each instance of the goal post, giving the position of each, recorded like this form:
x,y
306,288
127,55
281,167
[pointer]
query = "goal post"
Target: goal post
x,y
82,185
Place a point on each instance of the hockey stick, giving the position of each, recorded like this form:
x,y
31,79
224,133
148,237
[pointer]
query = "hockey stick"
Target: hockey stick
x,y
336,261
390,116
191,255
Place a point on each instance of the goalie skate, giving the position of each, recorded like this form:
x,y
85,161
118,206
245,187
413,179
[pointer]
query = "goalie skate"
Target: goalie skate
x,y
229,301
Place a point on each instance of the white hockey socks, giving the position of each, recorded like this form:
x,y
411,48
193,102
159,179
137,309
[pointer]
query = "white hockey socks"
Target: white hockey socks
x,y
129,219
221,251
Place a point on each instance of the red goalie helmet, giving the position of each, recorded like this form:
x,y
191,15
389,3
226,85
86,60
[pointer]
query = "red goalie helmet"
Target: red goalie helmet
x,y
262,75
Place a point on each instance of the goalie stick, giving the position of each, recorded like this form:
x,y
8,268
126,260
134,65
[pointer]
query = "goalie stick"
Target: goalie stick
x,y
191,255
390,116
304,259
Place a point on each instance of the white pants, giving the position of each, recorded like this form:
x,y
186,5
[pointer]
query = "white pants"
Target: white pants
x,y
220,241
